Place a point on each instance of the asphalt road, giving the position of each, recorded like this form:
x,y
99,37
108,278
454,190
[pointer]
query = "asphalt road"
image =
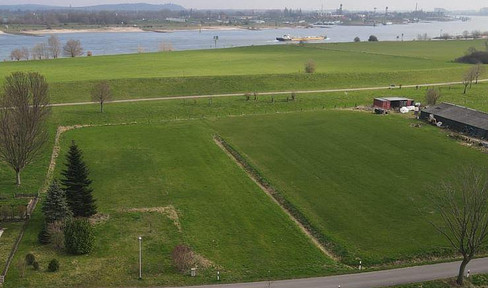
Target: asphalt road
x,y
371,279
262,93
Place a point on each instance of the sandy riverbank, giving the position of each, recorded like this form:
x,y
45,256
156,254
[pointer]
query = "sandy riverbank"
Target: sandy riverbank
x,y
96,30
132,29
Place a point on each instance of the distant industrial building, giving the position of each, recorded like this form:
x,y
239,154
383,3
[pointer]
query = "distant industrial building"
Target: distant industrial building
x,y
458,118
388,103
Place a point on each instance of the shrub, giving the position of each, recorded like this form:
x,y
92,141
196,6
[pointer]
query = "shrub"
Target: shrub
x,y
53,265
310,67
30,259
35,264
183,258
43,236
373,38
474,58
56,235
78,236
432,96
357,39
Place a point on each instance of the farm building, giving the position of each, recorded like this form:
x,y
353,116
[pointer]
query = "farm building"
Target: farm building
x,y
392,102
458,118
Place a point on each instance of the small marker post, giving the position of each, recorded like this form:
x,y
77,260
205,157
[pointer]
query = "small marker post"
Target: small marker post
x,y
360,265
467,275
218,275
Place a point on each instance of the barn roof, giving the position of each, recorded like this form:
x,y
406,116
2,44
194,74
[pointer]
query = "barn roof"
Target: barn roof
x,y
460,114
393,99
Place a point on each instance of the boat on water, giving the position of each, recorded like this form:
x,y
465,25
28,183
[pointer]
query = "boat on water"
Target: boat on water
x,y
287,37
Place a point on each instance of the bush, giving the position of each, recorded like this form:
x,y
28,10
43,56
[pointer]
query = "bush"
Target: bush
x,y
373,38
474,58
53,265
78,236
43,236
183,258
30,259
432,96
357,40
56,235
310,67
35,264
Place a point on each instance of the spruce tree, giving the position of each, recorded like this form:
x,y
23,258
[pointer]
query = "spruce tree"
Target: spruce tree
x,y
55,208
77,184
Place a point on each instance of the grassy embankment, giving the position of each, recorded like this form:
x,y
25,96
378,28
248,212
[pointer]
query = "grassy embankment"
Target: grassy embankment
x,y
249,69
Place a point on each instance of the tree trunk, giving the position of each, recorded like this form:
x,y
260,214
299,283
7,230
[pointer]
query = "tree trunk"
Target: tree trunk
x,y
101,107
465,87
460,278
17,172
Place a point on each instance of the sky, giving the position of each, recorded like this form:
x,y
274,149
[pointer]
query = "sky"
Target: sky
x,y
281,4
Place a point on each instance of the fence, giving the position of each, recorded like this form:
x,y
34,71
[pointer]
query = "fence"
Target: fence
x,y
16,213
30,207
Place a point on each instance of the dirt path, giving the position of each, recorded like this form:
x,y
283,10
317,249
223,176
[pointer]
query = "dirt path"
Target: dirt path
x,y
264,93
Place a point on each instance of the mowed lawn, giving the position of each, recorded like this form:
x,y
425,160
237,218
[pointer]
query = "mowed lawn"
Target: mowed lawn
x,y
361,179
223,215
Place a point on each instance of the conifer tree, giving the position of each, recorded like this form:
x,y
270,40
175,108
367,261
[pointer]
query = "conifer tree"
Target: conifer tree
x,y
55,208
77,184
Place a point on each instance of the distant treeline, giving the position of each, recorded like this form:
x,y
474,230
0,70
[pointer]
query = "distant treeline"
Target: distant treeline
x,y
85,17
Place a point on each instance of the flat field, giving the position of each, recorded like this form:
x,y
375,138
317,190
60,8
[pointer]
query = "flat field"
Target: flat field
x,y
361,179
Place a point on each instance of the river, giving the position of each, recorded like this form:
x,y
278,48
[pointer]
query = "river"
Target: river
x,y
106,43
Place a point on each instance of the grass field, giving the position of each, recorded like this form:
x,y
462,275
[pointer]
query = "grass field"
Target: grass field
x,y
249,69
223,215
351,174
349,153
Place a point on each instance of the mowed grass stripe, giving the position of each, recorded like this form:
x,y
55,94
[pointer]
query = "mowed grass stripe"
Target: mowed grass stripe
x,y
360,178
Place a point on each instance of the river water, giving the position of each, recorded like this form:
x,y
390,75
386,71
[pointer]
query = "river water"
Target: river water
x,y
106,43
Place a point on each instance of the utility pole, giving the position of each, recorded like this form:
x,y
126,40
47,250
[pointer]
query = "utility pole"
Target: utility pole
x,y
216,38
140,257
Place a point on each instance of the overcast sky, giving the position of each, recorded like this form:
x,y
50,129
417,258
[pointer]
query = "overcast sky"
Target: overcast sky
x,y
264,4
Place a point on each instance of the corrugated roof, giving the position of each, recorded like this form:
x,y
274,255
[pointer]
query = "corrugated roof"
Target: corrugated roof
x,y
393,99
460,114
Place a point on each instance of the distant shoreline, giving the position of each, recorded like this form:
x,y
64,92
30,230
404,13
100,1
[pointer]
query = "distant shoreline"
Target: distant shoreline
x,y
119,30
42,32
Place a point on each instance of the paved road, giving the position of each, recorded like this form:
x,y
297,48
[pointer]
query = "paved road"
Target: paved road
x,y
262,93
371,279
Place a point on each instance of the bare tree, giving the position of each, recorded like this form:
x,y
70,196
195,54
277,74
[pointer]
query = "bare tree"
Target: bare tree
x,y
73,48
25,53
101,93
432,96
468,79
54,46
478,70
16,55
462,204
23,115
40,51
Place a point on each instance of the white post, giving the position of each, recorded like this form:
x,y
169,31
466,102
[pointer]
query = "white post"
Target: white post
x,y
218,275
360,266
140,257
467,275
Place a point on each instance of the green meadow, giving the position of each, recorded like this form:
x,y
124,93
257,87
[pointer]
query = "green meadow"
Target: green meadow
x,y
250,69
360,179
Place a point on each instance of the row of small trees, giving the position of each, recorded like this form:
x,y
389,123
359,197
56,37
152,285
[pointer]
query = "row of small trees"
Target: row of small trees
x,y
51,49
